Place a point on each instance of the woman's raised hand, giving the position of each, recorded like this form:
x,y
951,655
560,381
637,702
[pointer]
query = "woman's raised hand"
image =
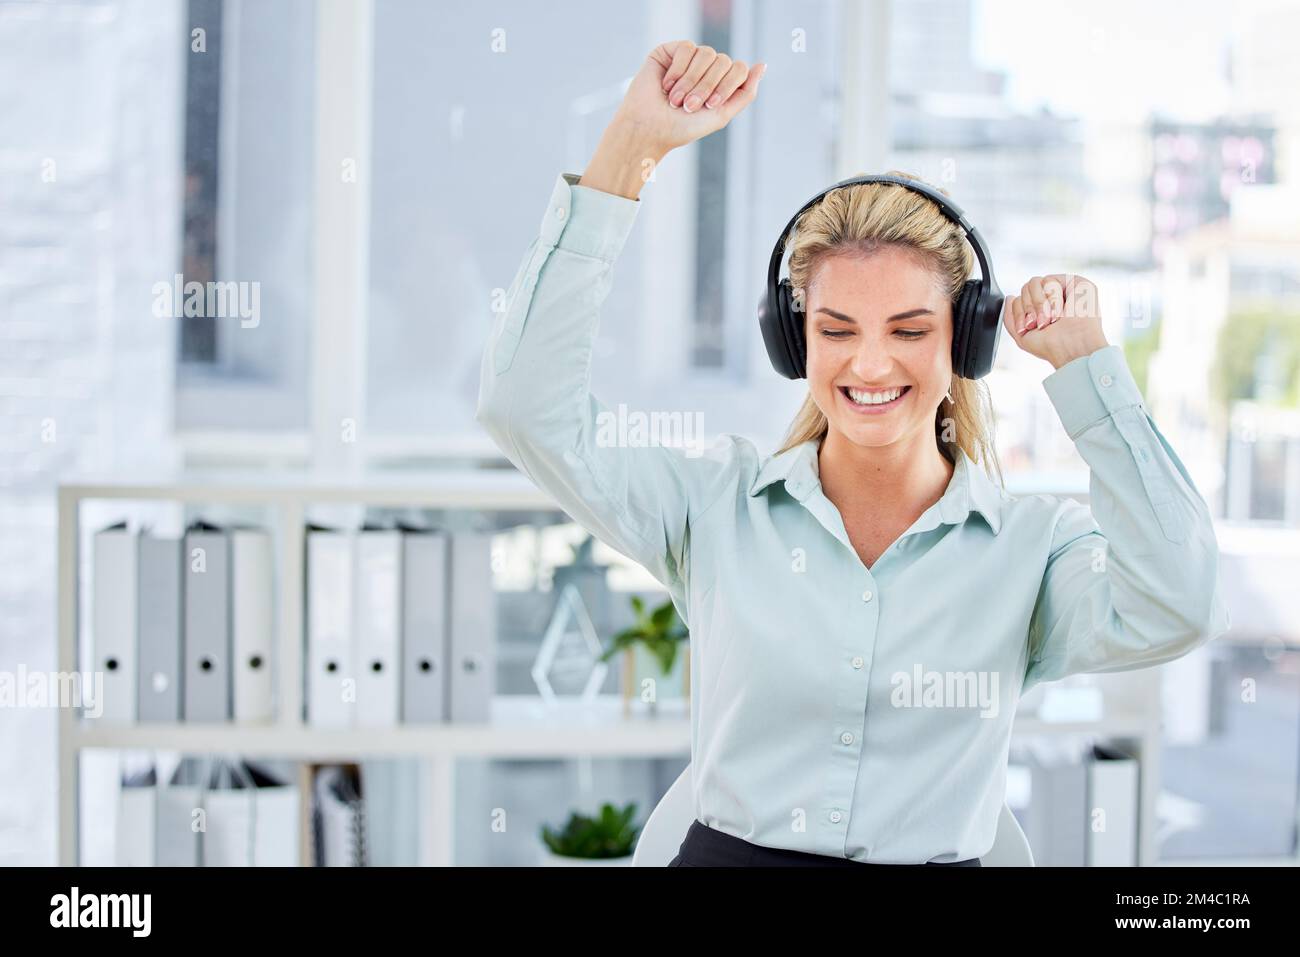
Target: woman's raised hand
x,y
681,93
684,92
1032,318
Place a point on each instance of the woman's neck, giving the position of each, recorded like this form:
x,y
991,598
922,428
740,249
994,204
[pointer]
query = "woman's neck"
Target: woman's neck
x,y
910,475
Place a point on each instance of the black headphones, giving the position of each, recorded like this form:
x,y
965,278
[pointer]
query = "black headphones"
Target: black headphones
x,y
976,315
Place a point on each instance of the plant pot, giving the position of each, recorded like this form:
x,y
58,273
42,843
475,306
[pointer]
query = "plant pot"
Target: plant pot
x,y
548,858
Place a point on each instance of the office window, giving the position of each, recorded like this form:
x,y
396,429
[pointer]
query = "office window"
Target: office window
x,y
247,220
198,340
455,200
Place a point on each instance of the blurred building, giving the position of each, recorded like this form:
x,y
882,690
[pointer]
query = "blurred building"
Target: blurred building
x,y
1247,263
1196,168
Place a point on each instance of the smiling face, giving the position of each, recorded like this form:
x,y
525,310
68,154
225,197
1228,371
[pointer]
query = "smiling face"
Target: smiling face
x,y
878,326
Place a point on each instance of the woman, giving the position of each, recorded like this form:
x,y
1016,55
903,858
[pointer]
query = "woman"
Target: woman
x,y
866,605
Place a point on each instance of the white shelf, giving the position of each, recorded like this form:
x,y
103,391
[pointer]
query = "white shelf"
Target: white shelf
x,y
522,726
491,489
519,729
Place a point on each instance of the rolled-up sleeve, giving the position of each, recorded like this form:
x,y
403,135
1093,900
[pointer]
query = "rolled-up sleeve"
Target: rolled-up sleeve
x,y
534,398
1132,580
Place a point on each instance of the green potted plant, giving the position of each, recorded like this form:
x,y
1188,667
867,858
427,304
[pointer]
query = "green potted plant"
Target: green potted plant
x,y
606,840
659,632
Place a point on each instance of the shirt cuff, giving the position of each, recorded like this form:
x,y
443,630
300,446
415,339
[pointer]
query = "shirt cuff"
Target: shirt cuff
x,y
1088,389
587,221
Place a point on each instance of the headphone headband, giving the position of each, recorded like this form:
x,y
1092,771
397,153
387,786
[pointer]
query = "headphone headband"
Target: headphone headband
x,y
950,210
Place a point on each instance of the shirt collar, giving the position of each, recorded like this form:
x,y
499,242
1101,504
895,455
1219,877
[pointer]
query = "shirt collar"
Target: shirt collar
x,y
970,490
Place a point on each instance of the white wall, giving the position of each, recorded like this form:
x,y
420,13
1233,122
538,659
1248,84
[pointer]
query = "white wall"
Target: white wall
x,y
90,180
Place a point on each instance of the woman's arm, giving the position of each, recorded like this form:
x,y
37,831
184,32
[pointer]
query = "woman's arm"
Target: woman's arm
x,y
618,166
534,398
1132,580
533,391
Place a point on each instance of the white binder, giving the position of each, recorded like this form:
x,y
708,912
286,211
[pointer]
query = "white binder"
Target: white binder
x,y
252,623
178,826
424,626
472,626
331,681
392,794
206,685
1112,808
159,629
114,602
252,818
1058,804
376,624
133,840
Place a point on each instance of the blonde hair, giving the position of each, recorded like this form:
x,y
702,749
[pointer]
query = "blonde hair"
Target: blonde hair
x,y
860,220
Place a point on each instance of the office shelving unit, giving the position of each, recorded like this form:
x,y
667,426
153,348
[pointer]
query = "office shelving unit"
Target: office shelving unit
x,y
520,726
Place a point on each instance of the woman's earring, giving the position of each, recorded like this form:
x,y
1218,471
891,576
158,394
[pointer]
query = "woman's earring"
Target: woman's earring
x,y
950,398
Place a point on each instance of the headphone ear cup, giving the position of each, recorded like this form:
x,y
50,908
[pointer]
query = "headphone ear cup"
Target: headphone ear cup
x,y
785,332
793,322
963,322
986,333
771,323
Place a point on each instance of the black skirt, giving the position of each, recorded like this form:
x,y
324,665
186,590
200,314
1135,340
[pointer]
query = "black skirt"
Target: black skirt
x,y
708,847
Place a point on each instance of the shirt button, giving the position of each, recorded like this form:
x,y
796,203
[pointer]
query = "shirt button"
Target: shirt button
x,y
1106,379
835,817
866,595
857,661
847,737
559,212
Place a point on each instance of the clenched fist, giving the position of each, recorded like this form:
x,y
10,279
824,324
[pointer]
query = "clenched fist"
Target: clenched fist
x,y
1056,318
684,92
681,93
